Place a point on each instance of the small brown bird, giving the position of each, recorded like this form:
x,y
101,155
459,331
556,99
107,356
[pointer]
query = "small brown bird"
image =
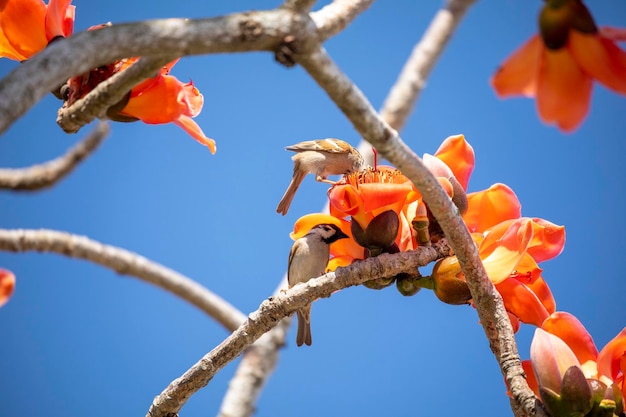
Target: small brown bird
x,y
308,259
321,157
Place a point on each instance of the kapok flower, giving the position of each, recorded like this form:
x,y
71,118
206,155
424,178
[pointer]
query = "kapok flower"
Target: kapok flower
x,y
157,100
507,252
558,66
7,285
375,200
27,26
563,343
165,99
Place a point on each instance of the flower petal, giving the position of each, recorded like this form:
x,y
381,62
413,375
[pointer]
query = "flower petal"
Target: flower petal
x,y
550,357
59,19
22,23
7,285
563,90
459,156
601,58
489,207
548,240
305,223
504,246
195,132
522,302
611,357
517,76
569,329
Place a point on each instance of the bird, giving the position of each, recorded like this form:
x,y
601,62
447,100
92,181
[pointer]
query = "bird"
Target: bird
x,y
308,259
322,157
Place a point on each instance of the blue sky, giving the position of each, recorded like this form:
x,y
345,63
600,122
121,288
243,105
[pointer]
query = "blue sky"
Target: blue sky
x,y
78,339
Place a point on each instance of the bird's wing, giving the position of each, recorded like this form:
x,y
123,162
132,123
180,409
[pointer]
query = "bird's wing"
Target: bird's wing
x,y
326,145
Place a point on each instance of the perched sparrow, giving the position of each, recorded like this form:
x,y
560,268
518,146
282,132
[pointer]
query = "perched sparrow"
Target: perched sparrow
x,y
322,157
308,259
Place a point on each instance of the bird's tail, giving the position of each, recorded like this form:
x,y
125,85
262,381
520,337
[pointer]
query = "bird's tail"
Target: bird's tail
x,y
285,202
304,328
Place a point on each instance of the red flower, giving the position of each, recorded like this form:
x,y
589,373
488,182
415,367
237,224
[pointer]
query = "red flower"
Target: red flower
x,y
27,26
558,66
165,99
7,285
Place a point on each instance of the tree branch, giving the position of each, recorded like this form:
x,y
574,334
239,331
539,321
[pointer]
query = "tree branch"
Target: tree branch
x,y
45,175
275,308
301,6
334,17
126,263
95,104
375,130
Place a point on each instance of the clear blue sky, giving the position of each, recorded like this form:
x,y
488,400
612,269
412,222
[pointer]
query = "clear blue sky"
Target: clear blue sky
x,y
77,339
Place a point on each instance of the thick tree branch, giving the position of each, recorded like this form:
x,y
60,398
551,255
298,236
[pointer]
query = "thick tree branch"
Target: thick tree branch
x,y
126,263
95,104
334,17
38,177
375,130
274,309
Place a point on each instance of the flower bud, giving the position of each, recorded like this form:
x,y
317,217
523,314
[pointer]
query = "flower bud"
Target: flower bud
x,y
379,234
407,284
449,282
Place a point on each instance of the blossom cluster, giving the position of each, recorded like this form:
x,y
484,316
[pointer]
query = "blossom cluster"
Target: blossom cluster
x,y
383,212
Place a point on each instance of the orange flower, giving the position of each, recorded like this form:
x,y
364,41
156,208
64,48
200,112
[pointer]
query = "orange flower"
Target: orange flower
x,y
558,66
7,285
489,207
507,251
563,342
164,99
27,26
369,198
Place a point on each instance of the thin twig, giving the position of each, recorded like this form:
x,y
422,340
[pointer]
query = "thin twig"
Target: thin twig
x,y
274,309
375,130
95,104
334,17
126,263
45,175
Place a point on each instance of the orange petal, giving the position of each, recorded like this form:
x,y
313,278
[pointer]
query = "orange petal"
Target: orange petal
x,y
23,25
459,156
522,302
563,90
338,261
611,360
548,240
7,285
194,130
530,376
158,104
569,329
601,58
384,196
305,223
59,19
504,247
518,74
543,293
492,206
348,200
